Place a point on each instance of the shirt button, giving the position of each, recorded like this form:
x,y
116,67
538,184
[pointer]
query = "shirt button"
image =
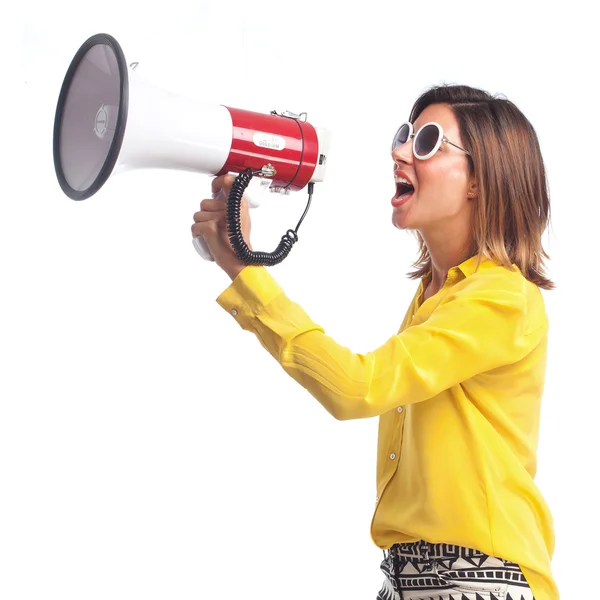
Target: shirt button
x,y
392,456
400,409
234,312
377,500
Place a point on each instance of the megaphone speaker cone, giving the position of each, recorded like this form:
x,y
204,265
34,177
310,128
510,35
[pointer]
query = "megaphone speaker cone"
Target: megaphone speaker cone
x,y
91,117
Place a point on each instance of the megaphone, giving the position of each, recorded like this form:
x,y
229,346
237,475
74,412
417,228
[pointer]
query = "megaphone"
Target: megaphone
x,y
109,120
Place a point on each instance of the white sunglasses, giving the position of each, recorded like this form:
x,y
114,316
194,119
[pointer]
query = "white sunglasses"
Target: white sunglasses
x,y
427,140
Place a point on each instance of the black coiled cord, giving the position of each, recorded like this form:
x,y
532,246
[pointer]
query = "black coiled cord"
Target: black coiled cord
x,y
234,226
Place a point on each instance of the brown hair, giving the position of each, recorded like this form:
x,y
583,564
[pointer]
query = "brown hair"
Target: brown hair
x,y
512,207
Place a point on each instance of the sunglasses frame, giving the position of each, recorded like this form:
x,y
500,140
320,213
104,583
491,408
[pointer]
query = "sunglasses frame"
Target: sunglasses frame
x,y
411,134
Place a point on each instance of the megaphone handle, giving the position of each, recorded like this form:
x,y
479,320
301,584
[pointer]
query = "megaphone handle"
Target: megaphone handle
x,y
202,248
253,199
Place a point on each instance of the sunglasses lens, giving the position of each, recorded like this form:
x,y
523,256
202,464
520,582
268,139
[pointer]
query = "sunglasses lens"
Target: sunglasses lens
x,y
400,137
426,140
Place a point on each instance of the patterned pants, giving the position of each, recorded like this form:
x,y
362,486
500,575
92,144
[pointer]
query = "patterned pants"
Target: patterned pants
x,y
423,571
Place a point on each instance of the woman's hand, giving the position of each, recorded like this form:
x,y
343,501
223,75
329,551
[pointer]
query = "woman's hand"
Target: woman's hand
x,y
211,223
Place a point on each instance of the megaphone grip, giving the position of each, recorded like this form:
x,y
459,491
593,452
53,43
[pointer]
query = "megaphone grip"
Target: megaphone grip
x,y
199,243
202,248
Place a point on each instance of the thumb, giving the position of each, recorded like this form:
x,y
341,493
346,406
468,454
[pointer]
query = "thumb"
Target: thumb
x,y
222,183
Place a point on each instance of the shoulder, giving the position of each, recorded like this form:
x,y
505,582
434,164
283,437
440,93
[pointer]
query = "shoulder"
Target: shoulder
x,y
509,286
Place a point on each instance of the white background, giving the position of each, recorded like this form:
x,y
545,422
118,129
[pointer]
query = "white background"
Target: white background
x,y
152,449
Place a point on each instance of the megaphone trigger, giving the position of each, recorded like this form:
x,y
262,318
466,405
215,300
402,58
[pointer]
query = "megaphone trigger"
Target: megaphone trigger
x,y
255,190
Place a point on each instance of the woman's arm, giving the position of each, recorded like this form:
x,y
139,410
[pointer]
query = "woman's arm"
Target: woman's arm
x,y
478,326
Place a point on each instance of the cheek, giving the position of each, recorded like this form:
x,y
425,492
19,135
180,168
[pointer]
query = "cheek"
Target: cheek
x,y
431,176
439,176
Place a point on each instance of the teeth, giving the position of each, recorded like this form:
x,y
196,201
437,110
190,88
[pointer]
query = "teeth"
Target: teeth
x,y
402,180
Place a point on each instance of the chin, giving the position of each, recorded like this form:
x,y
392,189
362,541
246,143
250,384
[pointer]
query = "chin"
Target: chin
x,y
402,221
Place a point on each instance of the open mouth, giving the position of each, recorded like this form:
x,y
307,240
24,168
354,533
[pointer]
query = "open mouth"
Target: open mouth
x,y
403,192
402,189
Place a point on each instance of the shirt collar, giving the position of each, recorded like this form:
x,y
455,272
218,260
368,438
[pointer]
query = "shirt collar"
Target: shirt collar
x,y
469,266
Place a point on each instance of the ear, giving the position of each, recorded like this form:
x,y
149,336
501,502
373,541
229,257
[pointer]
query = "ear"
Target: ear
x,y
472,193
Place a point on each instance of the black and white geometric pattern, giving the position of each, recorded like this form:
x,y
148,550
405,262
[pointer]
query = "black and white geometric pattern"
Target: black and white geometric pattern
x,y
423,571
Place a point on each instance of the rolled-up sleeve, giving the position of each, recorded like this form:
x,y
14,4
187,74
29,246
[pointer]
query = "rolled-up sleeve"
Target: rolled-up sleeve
x,y
474,329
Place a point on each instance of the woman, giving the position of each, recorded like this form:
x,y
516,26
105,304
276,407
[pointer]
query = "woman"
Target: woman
x,y
458,388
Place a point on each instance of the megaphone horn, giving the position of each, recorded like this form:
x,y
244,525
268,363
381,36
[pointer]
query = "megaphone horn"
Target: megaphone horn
x,y
109,120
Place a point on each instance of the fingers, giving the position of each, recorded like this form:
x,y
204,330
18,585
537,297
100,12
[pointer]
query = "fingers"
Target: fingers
x,y
203,228
209,219
203,216
223,182
213,205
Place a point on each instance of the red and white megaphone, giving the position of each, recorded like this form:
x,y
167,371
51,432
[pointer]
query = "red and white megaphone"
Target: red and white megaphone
x,y
110,120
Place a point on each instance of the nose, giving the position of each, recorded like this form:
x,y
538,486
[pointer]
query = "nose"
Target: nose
x,y
403,153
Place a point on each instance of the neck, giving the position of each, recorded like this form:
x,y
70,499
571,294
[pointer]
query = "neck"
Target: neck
x,y
446,251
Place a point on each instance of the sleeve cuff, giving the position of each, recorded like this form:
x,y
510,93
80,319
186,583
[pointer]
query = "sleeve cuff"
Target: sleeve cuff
x,y
249,293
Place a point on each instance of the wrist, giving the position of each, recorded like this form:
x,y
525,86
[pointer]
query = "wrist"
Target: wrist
x,y
234,270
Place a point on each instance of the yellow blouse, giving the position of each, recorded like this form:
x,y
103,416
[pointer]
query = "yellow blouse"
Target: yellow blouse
x,y
457,391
